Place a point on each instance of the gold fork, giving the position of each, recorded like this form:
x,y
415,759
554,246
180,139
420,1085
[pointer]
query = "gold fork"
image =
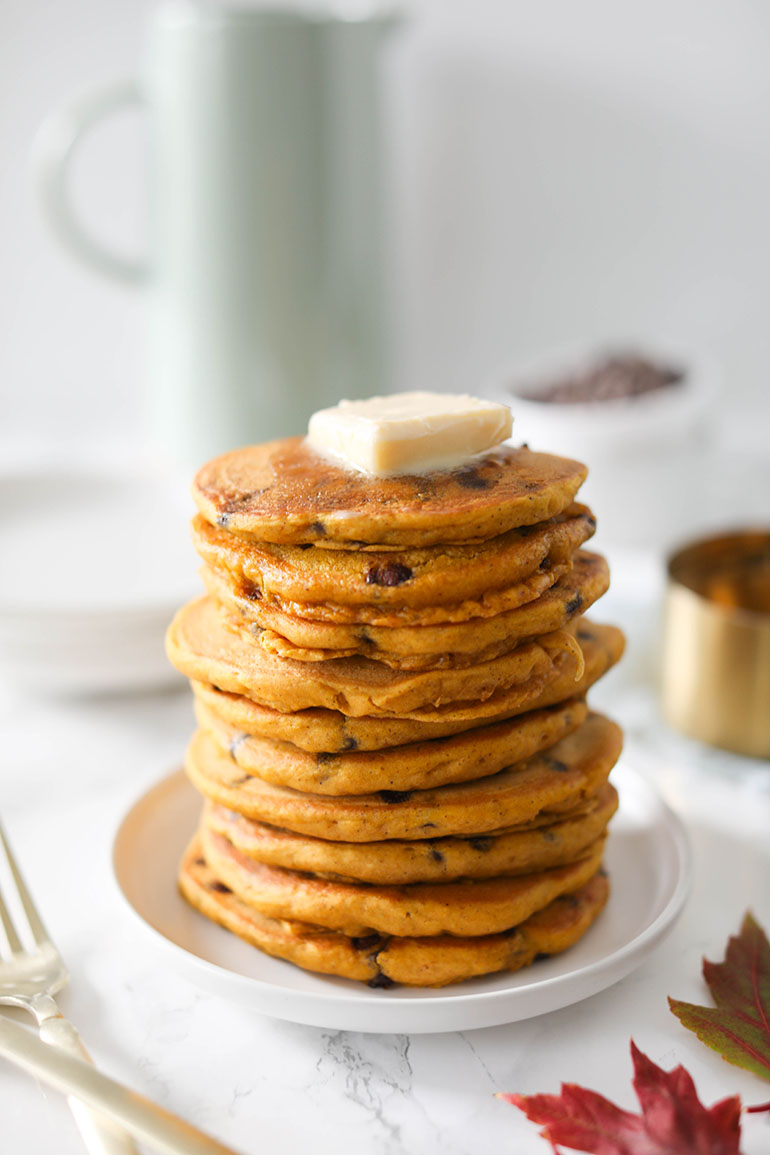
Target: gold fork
x,y
29,978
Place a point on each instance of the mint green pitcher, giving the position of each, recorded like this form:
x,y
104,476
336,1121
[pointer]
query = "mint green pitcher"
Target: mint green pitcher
x,y
265,267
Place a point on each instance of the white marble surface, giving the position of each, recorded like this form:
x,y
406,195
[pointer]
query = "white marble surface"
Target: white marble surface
x,y
70,769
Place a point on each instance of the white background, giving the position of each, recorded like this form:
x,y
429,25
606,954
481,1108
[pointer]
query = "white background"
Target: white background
x,y
560,173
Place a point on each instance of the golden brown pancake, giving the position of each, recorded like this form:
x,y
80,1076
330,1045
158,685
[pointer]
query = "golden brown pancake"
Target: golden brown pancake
x,y
201,645
415,766
330,731
380,961
425,579
272,610
401,779
468,908
558,778
286,493
533,846
421,646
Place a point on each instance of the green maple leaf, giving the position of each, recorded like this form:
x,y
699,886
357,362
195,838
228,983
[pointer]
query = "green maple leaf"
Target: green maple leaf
x,y
738,1027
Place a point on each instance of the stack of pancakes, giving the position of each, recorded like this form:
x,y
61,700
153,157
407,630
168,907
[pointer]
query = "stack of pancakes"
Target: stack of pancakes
x,y
402,780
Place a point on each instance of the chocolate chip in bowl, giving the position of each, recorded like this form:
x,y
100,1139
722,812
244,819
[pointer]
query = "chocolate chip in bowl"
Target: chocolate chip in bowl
x,y
640,415
614,377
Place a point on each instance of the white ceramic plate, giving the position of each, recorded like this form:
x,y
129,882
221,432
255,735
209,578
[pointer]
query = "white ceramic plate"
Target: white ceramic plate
x,y
94,565
649,865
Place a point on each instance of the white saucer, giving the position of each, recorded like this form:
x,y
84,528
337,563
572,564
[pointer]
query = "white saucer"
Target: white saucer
x,y
94,564
648,860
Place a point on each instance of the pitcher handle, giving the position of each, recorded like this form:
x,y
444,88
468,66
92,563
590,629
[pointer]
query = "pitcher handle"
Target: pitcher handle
x,y
53,151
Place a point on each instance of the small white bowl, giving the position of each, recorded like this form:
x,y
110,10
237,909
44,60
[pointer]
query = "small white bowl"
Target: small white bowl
x,y
643,453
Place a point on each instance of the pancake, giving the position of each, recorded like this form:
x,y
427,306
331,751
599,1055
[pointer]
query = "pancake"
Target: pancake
x,y
440,575
202,646
415,766
538,845
401,779
570,771
422,646
381,962
272,611
284,492
330,731
468,908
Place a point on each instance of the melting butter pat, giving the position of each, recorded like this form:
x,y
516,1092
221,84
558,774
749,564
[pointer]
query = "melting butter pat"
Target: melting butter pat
x,y
409,432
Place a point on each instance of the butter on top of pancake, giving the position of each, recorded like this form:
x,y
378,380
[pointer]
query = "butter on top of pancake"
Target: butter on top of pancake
x,y
408,432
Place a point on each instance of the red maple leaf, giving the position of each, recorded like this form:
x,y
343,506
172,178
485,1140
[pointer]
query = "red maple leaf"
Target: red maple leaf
x,y
673,1120
738,1027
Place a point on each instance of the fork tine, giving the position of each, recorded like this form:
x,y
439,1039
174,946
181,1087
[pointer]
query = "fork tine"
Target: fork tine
x,y
10,931
39,932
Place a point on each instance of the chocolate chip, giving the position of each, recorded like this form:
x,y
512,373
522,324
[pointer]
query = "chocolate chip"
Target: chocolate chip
x,y
369,942
557,765
574,604
469,478
388,574
350,744
391,796
318,529
481,843
200,861
219,887
381,981
616,376
436,855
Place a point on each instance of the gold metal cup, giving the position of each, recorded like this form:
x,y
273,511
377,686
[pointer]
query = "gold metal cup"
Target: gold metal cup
x,y
716,642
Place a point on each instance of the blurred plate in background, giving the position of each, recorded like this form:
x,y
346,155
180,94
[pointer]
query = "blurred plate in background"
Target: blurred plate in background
x,y
93,565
